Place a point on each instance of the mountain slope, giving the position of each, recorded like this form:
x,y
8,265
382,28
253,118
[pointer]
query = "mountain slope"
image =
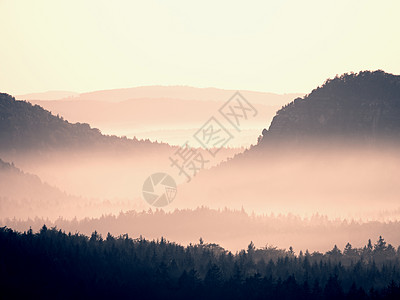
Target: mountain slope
x,y
16,184
334,152
25,126
139,111
362,106
79,159
23,194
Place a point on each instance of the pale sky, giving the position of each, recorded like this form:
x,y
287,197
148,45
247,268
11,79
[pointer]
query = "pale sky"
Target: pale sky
x,y
273,46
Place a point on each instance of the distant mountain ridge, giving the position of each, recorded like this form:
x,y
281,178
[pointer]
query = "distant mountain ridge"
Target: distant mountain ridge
x,y
363,106
49,95
140,110
171,92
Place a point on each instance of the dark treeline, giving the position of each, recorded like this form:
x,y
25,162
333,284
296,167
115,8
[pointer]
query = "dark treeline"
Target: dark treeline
x,y
53,264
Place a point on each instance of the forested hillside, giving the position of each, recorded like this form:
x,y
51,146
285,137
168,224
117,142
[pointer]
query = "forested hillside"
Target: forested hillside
x,y
24,195
19,188
53,264
363,106
26,126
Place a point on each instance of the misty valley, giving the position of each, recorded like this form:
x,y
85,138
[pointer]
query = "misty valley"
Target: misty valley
x,y
300,203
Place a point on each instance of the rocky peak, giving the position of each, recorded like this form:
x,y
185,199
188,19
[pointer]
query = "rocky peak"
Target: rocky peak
x,y
364,105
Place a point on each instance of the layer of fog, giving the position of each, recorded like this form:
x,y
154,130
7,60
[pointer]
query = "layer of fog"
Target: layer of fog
x,y
337,180
233,230
85,183
349,182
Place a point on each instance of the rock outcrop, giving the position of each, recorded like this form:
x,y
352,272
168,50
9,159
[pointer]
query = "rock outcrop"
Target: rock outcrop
x,y
362,106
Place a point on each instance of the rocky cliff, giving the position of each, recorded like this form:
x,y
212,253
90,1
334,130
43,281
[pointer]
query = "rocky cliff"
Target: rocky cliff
x,y
363,106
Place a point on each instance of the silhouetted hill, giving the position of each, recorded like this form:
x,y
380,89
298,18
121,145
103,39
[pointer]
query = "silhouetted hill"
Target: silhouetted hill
x,y
15,183
24,195
150,117
23,191
142,111
338,145
363,106
24,126
77,158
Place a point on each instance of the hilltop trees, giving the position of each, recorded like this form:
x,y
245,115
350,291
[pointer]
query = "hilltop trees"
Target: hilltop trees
x,y
365,106
26,126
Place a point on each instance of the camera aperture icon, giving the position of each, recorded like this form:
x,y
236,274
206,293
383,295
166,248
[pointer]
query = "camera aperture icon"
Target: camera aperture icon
x,y
159,189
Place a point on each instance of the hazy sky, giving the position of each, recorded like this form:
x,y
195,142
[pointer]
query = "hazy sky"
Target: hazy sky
x,y
276,46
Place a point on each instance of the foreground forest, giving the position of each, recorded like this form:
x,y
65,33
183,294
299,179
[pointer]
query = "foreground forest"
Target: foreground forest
x,y
53,264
